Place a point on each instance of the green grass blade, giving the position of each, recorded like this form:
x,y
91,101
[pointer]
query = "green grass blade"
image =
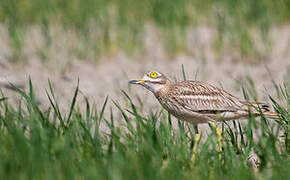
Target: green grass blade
x,y
73,104
103,109
183,72
53,103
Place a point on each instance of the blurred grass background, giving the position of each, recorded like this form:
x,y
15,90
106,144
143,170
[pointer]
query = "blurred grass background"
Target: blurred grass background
x,y
120,24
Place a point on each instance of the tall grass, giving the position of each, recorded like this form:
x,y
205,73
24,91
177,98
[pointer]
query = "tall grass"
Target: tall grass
x,y
48,144
120,23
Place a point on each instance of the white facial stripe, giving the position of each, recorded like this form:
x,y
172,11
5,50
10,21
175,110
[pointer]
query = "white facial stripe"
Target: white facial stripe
x,y
152,86
147,78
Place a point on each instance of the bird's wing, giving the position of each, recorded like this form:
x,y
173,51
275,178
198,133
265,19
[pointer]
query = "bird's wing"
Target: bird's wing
x,y
204,98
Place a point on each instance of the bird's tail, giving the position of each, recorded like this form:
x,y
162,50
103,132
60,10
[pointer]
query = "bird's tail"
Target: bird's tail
x,y
261,107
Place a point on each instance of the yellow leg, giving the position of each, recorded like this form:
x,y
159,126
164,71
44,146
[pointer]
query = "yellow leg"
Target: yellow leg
x,y
219,139
197,139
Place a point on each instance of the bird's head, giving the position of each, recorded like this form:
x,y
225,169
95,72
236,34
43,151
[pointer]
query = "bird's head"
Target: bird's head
x,y
153,81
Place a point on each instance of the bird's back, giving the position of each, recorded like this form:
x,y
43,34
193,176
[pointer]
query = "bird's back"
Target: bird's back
x,y
198,96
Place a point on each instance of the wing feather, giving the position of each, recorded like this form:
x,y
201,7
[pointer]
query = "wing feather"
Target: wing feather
x,y
202,97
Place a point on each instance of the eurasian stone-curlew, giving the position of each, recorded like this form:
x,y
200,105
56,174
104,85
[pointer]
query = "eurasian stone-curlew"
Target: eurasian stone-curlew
x,y
198,102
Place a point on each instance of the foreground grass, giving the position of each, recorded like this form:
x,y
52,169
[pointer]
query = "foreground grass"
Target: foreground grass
x,y
109,24
48,144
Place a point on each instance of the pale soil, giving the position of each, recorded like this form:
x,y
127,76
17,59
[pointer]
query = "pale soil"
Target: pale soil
x,y
111,74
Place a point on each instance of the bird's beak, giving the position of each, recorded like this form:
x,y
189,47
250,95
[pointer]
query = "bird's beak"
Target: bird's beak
x,y
140,81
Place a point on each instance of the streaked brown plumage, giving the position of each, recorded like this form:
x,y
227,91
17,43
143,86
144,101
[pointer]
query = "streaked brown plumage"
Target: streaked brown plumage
x,y
198,102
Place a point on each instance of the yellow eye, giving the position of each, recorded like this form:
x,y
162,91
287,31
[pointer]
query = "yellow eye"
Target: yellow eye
x,y
153,74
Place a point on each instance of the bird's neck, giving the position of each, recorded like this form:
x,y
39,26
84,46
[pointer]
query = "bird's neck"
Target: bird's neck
x,y
162,90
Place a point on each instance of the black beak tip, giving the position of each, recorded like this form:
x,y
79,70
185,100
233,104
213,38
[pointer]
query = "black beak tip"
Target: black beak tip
x,y
133,82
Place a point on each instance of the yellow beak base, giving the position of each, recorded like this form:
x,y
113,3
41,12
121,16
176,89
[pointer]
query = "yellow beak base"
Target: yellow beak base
x,y
140,81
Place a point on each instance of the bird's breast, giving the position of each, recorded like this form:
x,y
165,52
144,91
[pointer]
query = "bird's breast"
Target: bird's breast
x,y
162,97
168,103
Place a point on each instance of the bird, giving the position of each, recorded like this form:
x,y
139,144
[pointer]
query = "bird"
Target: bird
x,y
198,102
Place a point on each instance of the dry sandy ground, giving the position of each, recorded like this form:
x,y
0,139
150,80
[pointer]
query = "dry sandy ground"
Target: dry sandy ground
x,y
111,74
